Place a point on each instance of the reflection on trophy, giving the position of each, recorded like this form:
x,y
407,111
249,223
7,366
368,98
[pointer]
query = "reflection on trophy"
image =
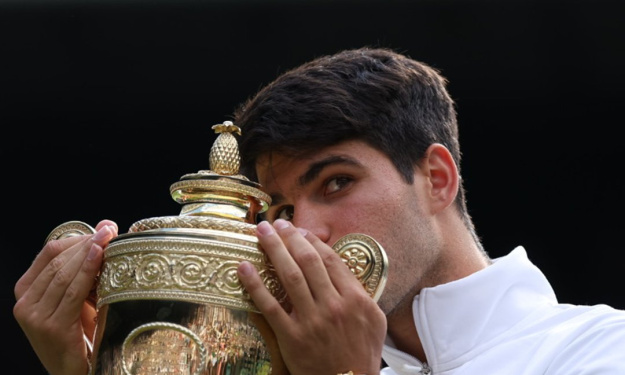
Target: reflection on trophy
x,y
168,297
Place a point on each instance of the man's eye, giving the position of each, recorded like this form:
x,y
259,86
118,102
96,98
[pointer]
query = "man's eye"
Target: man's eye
x,y
336,184
285,213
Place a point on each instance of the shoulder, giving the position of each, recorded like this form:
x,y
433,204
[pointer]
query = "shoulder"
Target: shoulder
x,y
591,338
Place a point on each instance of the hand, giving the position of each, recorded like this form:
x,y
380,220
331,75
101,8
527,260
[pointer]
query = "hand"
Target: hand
x,y
51,305
333,325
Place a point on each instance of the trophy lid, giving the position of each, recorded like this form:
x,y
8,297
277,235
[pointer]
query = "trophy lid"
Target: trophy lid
x,y
219,198
211,192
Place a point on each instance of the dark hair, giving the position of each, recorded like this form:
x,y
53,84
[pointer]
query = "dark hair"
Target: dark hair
x,y
395,104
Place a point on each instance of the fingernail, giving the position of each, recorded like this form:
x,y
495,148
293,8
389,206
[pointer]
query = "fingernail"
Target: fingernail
x,y
264,228
100,235
303,231
93,251
281,224
245,268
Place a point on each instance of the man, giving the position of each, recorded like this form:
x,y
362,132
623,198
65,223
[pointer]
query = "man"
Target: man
x,y
362,141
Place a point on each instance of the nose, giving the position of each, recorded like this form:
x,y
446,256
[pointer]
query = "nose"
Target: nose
x,y
314,220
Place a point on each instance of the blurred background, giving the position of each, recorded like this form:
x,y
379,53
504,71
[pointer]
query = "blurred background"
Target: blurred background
x,y
105,104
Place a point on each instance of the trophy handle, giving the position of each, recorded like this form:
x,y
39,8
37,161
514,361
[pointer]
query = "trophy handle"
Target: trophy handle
x,y
70,229
367,260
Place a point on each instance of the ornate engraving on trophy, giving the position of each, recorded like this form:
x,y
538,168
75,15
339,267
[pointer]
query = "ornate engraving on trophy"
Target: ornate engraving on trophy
x,y
187,269
364,257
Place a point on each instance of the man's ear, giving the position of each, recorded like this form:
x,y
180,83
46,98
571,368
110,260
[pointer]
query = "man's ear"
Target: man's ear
x,y
441,171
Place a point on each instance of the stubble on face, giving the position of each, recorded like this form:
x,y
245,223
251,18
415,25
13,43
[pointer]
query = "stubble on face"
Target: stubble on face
x,y
413,249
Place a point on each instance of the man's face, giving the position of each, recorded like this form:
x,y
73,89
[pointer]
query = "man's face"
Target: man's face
x,y
353,188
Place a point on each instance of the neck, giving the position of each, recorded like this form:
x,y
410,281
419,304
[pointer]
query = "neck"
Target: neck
x,y
403,332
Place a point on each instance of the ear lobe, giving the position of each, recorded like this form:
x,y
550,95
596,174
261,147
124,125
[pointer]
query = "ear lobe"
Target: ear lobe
x,y
442,172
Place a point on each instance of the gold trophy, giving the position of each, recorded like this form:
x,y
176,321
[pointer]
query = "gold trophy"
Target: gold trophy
x,y
168,298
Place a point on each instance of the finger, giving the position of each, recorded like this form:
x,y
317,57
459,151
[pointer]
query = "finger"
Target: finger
x,y
287,268
308,257
339,273
70,275
110,223
264,301
50,251
92,298
70,298
88,269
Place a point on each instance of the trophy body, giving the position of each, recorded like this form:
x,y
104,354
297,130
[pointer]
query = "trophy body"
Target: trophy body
x,y
168,297
170,302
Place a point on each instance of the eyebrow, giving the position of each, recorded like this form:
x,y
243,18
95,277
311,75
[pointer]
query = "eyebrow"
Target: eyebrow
x,y
313,171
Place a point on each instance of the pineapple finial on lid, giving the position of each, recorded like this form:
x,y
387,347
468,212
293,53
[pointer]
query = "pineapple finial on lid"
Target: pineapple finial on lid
x,y
224,156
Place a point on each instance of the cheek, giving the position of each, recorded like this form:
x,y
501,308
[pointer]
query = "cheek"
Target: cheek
x,y
394,221
377,216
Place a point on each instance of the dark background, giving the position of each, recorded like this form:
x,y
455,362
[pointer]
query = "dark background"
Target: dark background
x,y
104,104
